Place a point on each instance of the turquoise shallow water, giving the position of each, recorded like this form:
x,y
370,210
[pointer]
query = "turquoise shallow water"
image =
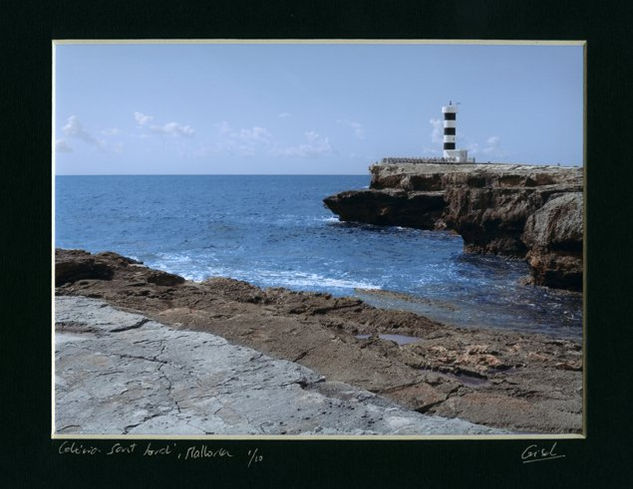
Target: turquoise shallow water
x,y
275,231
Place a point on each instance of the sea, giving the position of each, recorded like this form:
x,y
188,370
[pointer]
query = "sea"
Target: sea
x,y
274,231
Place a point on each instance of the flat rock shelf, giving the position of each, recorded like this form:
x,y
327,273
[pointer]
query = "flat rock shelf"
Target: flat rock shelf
x,y
121,373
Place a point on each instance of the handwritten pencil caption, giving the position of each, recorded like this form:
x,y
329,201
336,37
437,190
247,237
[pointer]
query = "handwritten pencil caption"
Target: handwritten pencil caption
x,y
200,451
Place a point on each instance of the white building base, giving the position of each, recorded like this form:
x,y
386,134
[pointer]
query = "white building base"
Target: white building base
x,y
456,155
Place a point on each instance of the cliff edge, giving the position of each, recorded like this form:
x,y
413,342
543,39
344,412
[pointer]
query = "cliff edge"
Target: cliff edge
x,y
527,211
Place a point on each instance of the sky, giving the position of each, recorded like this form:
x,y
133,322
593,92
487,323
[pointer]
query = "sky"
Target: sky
x,y
309,108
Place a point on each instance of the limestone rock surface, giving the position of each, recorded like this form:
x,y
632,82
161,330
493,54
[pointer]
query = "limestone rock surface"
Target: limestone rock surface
x,y
121,373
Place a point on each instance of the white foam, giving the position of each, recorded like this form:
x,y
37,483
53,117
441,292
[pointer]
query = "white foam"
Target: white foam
x,y
328,219
175,257
184,266
302,279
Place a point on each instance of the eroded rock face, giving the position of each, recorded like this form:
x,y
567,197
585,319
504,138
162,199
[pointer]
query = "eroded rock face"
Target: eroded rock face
x,y
554,235
557,225
490,220
389,207
496,208
73,265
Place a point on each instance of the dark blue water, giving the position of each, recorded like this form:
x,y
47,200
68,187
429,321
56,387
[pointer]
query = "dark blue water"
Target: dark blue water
x,y
275,231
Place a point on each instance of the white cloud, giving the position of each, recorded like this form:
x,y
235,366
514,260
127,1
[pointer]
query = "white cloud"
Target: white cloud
x,y
259,140
61,146
110,132
490,149
142,119
255,135
283,115
357,127
438,130
74,129
173,129
473,148
169,129
312,136
316,146
243,142
224,127
492,145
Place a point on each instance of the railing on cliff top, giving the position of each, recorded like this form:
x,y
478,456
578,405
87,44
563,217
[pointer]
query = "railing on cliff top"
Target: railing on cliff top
x,y
399,161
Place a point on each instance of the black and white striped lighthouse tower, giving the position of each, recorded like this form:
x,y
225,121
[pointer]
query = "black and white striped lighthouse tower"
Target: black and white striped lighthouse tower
x,y
450,134
450,126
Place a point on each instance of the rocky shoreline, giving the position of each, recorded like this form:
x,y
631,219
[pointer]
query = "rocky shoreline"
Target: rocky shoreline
x,y
514,381
526,211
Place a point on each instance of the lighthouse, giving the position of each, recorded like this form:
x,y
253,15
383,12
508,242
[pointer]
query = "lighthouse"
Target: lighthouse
x,y
450,133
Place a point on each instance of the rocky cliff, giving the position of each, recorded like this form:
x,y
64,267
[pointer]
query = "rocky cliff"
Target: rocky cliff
x,y
527,211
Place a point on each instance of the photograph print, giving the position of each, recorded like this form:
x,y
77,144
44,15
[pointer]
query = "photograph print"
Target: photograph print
x,y
318,239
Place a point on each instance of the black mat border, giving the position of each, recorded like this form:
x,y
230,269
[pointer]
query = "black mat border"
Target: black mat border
x,y
29,457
